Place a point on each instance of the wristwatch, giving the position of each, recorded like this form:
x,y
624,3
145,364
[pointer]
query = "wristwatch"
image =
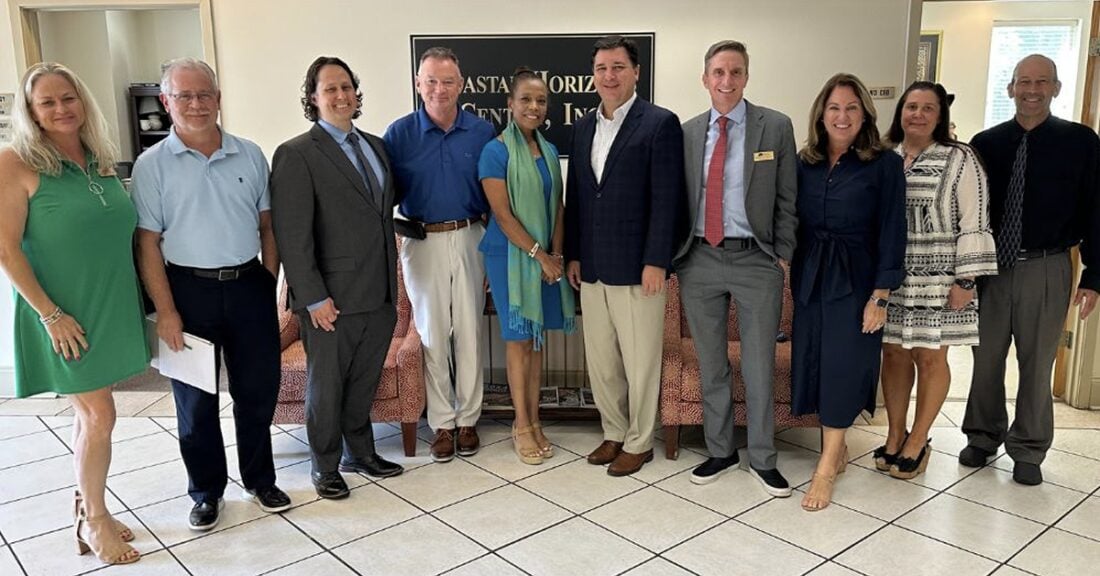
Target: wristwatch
x,y
880,302
965,283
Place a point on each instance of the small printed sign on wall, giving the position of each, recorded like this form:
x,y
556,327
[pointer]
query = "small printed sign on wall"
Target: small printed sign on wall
x,y
6,101
5,130
882,92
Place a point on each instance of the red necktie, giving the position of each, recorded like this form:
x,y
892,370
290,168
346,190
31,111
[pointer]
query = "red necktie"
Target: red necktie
x,y
712,225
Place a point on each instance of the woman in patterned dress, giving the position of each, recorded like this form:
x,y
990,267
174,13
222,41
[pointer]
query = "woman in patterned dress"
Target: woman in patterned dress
x,y
950,244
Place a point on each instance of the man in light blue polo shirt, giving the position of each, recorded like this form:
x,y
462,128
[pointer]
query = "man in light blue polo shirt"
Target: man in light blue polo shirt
x,y
203,216
435,152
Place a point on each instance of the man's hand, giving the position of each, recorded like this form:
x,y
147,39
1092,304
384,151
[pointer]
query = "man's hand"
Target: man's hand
x,y
170,329
1086,299
573,273
653,280
958,298
324,316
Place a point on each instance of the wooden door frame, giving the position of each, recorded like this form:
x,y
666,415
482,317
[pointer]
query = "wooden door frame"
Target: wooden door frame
x,y
26,40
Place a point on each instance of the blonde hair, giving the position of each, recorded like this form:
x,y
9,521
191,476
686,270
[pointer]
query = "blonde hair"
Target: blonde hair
x,y
31,144
867,143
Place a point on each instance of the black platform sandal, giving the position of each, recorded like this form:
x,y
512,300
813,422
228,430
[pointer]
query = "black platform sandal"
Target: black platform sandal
x,y
908,468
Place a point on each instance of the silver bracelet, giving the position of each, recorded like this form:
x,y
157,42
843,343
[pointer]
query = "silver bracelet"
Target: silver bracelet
x,y
52,317
534,250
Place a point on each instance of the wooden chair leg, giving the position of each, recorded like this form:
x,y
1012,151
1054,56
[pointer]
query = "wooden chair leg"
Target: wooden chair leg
x,y
672,442
408,438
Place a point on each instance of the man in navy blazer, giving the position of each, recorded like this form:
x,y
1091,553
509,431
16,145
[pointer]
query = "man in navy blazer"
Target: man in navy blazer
x,y
623,211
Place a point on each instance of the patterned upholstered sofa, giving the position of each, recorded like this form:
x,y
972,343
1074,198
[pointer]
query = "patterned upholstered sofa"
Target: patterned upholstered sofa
x,y
400,396
681,392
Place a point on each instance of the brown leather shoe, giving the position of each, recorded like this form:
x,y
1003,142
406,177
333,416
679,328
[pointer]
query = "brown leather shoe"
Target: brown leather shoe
x,y
605,453
626,463
443,447
468,442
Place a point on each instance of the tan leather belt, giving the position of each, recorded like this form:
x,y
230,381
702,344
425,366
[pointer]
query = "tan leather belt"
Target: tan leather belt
x,y
450,225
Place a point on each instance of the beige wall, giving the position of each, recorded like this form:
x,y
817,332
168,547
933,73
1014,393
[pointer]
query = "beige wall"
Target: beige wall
x,y
967,29
264,47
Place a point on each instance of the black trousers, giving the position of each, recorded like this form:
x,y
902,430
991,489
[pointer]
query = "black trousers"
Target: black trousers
x,y
239,317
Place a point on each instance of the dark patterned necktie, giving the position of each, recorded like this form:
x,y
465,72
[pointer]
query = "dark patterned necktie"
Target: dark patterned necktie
x,y
369,178
1008,237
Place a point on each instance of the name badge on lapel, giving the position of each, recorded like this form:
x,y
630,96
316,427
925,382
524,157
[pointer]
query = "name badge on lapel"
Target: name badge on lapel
x,y
763,156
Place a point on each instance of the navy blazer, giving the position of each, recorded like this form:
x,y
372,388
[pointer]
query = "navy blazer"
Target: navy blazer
x,y
633,217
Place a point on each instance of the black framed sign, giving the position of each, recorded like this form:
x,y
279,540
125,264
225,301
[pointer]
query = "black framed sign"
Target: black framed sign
x,y
563,60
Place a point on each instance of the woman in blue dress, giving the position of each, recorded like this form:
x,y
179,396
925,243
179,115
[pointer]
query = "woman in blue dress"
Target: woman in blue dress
x,y
850,255
521,175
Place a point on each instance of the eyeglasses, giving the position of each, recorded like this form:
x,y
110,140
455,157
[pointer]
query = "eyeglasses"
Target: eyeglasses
x,y
189,97
448,83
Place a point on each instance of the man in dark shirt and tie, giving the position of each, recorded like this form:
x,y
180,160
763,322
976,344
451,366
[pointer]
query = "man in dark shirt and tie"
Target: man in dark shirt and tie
x,y
1044,177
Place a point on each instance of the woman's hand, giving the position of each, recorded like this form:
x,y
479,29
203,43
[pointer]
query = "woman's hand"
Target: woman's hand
x,y
552,267
958,297
67,337
874,317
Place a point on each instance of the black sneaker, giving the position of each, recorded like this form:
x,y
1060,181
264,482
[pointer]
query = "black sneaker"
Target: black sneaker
x,y
204,516
710,470
1027,474
773,482
975,457
269,499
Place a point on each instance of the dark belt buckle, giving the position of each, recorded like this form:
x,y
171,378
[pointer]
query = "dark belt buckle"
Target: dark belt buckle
x,y
224,275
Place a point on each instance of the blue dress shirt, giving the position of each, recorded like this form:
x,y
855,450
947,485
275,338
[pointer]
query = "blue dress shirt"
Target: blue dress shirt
x,y
436,170
735,220
341,139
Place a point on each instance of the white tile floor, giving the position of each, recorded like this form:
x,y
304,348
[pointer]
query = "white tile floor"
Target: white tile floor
x,y
489,514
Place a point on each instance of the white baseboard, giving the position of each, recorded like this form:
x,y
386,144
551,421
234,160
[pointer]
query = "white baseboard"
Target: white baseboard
x,y
7,382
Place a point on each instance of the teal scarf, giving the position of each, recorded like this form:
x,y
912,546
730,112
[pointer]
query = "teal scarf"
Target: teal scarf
x,y
525,194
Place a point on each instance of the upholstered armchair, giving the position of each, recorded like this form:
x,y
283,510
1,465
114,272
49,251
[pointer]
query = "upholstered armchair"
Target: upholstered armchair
x,y
681,391
400,396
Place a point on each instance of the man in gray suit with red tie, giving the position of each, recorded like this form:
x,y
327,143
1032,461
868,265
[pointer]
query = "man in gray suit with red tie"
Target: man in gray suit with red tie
x,y
332,197
624,201
741,173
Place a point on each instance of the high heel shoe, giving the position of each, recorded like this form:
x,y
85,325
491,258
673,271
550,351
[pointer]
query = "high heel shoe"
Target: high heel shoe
x,y
814,500
532,456
908,468
546,449
883,459
124,531
116,552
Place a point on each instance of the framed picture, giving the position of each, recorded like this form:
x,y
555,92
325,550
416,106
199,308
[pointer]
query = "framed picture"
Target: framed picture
x,y
928,55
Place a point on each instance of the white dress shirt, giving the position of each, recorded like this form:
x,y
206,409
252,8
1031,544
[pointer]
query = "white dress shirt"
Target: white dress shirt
x,y
606,131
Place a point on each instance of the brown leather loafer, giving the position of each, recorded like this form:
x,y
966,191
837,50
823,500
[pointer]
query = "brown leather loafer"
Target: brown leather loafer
x,y
468,442
626,463
443,447
605,453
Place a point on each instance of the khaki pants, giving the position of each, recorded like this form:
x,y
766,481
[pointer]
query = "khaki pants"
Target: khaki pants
x,y
623,336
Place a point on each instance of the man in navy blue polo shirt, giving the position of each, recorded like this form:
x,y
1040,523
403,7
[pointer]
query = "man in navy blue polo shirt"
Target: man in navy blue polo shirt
x,y
434,152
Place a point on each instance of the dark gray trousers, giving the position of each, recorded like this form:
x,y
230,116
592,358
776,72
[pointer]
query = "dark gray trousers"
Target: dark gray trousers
x,y
343,369
709,277
1027,304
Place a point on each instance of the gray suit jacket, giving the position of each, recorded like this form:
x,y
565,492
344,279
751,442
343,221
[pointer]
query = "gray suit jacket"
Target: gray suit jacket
x,y
770,183
334,240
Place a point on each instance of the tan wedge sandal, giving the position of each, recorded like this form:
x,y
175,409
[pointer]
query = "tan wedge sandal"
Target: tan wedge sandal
x,y
546,449
109,552
124,531
532,456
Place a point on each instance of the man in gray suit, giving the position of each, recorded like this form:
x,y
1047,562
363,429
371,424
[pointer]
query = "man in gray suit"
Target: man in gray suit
x,y
741,175
332,197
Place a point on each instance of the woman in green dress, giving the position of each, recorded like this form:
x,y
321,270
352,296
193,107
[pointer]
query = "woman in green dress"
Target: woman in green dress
x,y
66,227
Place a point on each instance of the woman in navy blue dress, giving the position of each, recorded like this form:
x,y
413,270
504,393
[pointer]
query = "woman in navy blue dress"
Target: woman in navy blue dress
x,y
521,175
850,255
